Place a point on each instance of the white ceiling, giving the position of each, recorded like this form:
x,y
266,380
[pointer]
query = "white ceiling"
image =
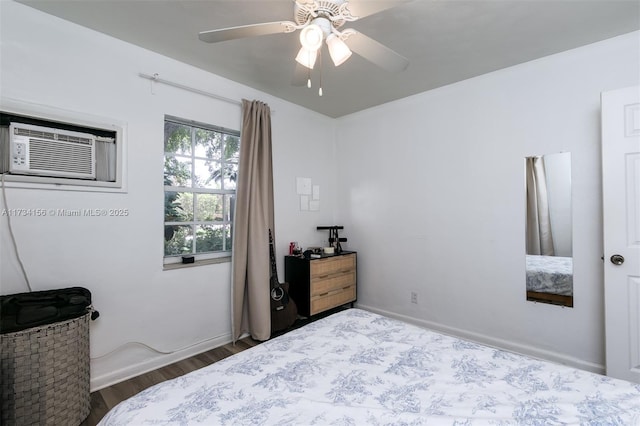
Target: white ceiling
x,y
445,40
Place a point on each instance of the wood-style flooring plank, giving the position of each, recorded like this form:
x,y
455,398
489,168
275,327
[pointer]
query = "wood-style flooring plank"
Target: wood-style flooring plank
x,y
172,371
98,409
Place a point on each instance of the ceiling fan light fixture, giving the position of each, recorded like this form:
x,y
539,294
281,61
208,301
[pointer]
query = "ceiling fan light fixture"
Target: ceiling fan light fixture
x,y
306,57
311,37
318,21
338,49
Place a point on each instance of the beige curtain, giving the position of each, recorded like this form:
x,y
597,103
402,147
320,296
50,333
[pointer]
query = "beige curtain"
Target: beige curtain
x,y
539,237
250,307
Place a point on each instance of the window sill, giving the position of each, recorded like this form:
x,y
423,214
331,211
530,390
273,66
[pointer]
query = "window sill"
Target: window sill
x,y
215,260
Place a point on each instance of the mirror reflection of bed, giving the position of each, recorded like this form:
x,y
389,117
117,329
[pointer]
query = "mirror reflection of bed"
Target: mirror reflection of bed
x,y
549,252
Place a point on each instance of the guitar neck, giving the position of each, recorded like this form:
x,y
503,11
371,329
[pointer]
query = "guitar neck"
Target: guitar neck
x,y
274,269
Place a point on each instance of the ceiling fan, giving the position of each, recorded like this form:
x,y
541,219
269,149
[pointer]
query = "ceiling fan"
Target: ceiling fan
x,y
318,21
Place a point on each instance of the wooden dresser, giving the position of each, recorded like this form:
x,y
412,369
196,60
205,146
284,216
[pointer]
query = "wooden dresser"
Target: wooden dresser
x,y
320,284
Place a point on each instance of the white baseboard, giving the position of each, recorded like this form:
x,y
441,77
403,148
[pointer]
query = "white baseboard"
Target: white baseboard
x,y
111,378
528,350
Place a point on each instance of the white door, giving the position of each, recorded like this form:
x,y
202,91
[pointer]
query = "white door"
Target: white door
x,y
621,214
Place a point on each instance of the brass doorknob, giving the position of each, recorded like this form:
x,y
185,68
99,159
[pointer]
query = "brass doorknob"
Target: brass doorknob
x,y
617,259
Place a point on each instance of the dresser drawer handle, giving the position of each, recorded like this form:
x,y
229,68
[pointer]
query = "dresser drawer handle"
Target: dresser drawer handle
x,y
333,274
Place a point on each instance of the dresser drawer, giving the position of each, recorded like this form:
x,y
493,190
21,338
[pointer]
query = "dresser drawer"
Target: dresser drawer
x,y
323,268
332,282
333,299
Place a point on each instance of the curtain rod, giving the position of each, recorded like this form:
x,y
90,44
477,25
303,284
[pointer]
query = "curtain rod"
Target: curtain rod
x,y
157,79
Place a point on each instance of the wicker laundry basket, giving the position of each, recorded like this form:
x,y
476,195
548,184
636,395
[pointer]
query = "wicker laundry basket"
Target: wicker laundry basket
x,y
45,374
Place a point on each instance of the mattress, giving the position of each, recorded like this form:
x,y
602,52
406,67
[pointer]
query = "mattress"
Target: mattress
x,y
359,368
550,274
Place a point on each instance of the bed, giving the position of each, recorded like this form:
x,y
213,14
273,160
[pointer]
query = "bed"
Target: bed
x,y
550,279
359,368
550,274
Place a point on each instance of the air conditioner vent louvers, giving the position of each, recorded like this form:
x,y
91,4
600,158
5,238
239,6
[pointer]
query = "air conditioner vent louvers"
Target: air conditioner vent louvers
x,y
51,136
63,157
33,133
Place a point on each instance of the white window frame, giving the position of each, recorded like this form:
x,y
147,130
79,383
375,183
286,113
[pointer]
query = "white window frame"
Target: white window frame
x,y
171,261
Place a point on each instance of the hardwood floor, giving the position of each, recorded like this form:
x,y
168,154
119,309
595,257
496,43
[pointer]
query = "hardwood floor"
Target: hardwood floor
x,y
105,399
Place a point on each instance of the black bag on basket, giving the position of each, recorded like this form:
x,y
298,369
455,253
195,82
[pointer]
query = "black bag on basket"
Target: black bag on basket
x,y
25,310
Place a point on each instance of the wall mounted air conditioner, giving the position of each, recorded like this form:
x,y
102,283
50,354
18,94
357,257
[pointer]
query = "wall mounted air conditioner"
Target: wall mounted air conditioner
x,y
44,151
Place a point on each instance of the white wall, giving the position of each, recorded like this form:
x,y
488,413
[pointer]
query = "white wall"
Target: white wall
x,y
50,64
434,199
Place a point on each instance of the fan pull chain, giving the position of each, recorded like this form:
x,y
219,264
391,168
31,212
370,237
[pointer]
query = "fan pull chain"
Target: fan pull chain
x,y
309,71
320,78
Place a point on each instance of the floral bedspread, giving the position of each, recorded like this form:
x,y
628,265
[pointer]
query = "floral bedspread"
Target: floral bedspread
x,y
360,368
550,274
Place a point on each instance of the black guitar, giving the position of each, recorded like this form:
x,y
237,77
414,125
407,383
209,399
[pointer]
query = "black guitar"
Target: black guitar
x,y
283,309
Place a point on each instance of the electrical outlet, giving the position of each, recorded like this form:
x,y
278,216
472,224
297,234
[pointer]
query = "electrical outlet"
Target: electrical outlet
x,y
414,297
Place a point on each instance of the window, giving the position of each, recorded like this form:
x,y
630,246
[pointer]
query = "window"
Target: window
x,y
200,171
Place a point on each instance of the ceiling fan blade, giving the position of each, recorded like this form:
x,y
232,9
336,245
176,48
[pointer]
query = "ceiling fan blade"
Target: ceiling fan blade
x,y
375,52
362,8
300,75
253,30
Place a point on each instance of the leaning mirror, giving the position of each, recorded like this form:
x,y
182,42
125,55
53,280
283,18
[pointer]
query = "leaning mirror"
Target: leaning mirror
x,y
549,253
